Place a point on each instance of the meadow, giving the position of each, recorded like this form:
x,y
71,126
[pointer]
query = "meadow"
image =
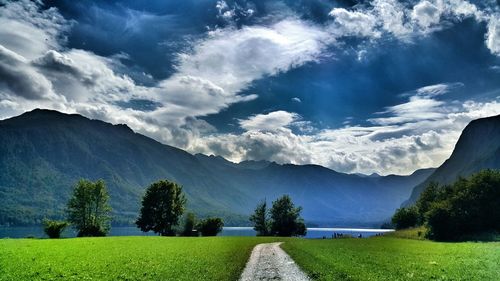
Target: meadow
x,y
223,258
126,258
389,258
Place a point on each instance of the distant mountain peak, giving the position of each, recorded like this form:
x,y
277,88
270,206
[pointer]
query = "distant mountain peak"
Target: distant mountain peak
x,y
54,115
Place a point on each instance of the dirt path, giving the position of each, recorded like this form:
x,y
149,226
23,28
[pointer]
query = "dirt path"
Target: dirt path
x,y
270,262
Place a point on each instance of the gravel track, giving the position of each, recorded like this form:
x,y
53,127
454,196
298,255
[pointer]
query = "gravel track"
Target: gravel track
x,y
269,262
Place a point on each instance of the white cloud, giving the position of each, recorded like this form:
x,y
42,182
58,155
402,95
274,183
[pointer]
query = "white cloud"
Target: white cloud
x,y
426,14
438,89
350,23
38,71
211,77
415,134
269,122
391,14
20,79
82,76
30,31
460,8
378,18
493,35
232,58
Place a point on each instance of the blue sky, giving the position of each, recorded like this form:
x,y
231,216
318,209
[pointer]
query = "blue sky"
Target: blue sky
x,y
380,86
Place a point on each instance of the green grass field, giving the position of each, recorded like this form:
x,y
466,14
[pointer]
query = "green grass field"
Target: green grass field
x,y
223,258
126,258
386,258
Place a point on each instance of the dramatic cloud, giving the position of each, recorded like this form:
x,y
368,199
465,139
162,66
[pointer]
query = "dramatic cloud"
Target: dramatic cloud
x,y
232,58
21,79
219,67
212,75
420,132
209,77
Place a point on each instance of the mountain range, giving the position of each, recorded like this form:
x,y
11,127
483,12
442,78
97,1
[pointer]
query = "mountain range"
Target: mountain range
x,y
43,153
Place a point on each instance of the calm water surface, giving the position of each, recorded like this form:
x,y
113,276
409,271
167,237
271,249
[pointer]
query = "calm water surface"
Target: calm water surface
x,y
22,232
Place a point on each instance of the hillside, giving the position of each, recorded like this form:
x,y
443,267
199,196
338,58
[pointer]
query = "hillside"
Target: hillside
x,y
477,148
43,153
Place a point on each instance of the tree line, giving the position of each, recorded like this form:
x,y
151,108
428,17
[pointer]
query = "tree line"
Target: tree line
x,y
163,204
162,207
468,207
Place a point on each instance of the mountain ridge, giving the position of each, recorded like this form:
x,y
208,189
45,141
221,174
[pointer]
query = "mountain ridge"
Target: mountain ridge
x,y
43,153
477,148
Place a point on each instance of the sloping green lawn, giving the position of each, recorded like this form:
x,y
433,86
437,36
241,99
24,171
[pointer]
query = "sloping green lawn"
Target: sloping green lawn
x,y
385,258
126,258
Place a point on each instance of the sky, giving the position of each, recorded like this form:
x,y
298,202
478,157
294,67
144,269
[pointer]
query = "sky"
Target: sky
x,y
379,86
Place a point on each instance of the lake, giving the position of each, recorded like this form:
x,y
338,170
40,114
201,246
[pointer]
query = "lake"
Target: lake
x,y
22,232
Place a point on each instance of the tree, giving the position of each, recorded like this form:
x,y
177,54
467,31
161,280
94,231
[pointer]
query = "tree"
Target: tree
x,y
441,221
53,229
466,208
285,218
260,219
405,217
189,224
162,205
88,208
210,226
423,204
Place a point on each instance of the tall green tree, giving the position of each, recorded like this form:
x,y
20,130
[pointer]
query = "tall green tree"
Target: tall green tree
x,y
162,205
405,217
285,218
88,208
260,219
423,204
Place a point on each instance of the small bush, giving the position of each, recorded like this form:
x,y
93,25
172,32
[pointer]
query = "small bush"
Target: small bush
x,y
53,229
92,231
210,226
405,218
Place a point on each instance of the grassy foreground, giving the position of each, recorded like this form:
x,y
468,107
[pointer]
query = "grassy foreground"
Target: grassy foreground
x,y
223,258
126,258
386,258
